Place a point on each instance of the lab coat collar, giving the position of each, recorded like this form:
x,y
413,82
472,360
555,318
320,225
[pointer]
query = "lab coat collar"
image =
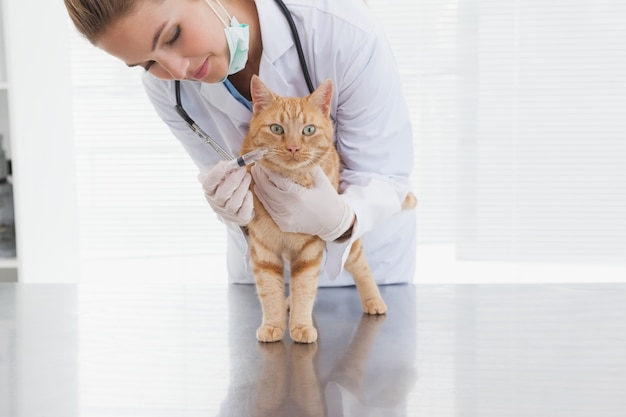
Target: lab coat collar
x,y
223,100
275,32
277,40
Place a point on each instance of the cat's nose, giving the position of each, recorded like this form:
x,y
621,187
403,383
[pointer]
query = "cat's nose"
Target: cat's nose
x,y
293,149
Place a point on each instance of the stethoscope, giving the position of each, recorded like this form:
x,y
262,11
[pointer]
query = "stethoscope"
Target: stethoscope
x,y
201,133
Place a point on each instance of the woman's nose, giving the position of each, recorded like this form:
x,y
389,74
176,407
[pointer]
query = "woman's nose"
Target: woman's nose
x,y
176,66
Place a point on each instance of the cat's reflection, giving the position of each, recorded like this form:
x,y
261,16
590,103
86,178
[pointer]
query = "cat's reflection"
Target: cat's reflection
x,y
362,365
289,384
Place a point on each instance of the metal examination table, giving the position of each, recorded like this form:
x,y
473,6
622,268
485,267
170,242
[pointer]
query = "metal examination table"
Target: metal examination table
x,y
190,350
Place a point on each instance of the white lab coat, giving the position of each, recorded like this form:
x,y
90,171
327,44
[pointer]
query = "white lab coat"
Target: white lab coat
x,y
341,41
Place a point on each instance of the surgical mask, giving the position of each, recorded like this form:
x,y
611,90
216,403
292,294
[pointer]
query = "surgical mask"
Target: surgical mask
x,y
238,39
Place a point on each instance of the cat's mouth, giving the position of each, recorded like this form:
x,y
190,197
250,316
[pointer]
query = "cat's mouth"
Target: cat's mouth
x,y
298,159
292,162
289,160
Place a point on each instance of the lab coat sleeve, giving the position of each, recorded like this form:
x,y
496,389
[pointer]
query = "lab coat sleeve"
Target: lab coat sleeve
x,y
373,137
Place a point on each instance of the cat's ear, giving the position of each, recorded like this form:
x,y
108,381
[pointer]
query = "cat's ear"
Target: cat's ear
x,y
322,96
261,95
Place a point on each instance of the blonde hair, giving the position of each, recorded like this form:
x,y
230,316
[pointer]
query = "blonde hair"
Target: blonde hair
x,y
92,17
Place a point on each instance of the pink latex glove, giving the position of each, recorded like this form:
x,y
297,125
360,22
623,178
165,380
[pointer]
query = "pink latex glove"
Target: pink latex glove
x,y
318,210
226,190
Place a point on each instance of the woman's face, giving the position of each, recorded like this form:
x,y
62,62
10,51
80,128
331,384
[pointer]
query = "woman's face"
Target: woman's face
x,y
173,39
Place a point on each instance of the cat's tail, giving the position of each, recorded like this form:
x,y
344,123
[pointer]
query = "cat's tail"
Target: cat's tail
x,y
410,202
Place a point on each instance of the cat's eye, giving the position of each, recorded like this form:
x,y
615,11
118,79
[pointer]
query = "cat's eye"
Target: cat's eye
x,y
277,129
308,130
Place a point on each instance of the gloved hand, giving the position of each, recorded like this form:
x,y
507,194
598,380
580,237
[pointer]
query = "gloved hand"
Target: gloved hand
x,y
227,192
318,210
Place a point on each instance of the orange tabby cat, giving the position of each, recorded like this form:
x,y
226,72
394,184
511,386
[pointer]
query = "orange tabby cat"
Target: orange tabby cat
x,y
280,125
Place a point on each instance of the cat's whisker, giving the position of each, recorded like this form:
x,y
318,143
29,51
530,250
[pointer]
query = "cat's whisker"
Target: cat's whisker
x,y
324,164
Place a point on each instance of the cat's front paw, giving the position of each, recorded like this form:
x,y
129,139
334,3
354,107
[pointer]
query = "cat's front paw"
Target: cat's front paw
x,y
267,333
303,334
375,306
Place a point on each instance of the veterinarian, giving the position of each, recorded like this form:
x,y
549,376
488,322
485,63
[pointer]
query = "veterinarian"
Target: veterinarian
x,y
214,47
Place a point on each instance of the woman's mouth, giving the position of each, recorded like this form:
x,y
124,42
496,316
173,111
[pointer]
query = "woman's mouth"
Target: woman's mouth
x,y
202,71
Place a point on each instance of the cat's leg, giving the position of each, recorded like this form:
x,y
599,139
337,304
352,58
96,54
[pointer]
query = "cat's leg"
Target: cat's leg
x,y
357,265
306,266
270,285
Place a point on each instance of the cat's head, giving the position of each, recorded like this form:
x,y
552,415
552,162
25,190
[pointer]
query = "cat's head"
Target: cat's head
x,y
296,132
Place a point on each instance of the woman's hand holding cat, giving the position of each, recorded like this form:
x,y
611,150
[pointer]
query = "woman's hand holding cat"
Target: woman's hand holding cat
x,y
318,210
227,192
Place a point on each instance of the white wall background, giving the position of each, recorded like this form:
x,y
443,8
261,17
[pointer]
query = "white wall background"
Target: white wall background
x,y
520,146
38,90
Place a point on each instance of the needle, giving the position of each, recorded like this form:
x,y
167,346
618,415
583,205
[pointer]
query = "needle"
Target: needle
x,y
246,159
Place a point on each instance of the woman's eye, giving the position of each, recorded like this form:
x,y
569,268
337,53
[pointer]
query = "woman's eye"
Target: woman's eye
x,y
174,37
277,129
308,130
148,65
170,42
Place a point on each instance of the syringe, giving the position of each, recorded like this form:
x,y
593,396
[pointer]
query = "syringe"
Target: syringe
x,y
246,159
